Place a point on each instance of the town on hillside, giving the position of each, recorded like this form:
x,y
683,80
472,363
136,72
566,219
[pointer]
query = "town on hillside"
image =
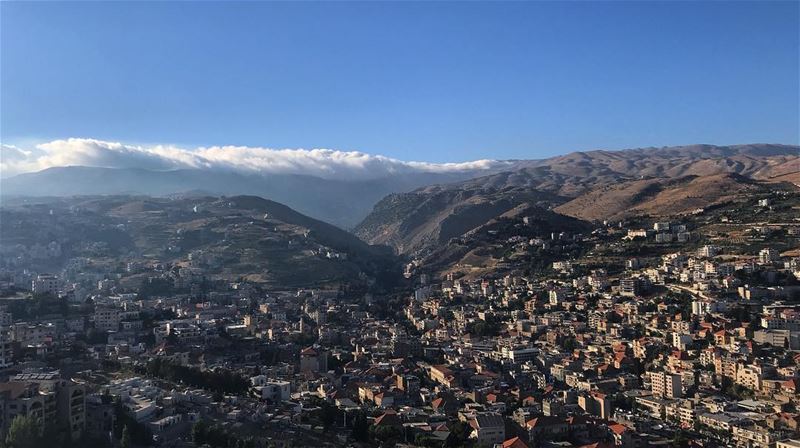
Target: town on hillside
x,y
640,332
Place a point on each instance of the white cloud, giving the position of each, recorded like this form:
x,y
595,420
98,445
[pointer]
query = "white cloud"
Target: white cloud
x,y
325,163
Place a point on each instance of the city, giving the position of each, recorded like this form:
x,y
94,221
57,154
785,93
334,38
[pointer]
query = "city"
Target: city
x,y
637,332
399,224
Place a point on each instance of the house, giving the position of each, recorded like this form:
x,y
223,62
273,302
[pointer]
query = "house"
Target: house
x,y
515,442
443,375
551,428
313,360
623,436
445,404
488,429
388,419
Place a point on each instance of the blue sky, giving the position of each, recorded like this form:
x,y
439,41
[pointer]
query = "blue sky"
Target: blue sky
x,y
415,81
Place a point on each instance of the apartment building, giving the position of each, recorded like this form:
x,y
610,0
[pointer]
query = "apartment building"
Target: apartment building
x,y
666,385
45,396
750,376
106,319
596,403
6,350
45,284
271,390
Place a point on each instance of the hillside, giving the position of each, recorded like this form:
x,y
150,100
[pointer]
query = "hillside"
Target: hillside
x,y
587,185
240,236
501,242
660,197
432,216
340,202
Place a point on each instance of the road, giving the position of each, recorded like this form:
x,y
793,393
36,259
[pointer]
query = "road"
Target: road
x,y
690,291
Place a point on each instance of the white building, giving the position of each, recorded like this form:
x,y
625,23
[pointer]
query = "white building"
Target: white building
x,y
708,251
268,389
666,385
46,284
768,256
106,319
661,226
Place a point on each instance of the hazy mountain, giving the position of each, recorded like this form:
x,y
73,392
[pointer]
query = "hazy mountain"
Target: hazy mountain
x,y
340,202
615,183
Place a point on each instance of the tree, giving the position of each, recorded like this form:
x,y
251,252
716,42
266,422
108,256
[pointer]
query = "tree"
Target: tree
x,y
220,380
569,344
125,441
387,433
328,414
25,432
459,433
199,432
360,427
488,327
680,440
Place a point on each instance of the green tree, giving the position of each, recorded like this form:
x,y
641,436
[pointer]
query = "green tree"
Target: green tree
x,y
569,344
386,434
459,433
125,441
680,440
361,427
24,432
328,414
199,432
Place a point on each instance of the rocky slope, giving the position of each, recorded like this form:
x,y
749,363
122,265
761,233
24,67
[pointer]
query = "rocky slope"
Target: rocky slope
x,y
660,197
588,185
432,216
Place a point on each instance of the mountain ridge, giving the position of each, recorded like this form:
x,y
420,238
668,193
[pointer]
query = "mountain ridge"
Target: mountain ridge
x,y
340,202
566,179
230,237
348,203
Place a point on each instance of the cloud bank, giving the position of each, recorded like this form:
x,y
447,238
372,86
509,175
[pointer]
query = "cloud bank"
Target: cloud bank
x,y
325,163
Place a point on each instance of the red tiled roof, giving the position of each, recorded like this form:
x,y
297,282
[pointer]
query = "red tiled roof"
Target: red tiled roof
x,y
618,429
516,442
389,418
543,421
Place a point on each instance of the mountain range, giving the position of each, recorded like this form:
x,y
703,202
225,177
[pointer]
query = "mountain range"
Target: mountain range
x,y
593,185
417,211
341,202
